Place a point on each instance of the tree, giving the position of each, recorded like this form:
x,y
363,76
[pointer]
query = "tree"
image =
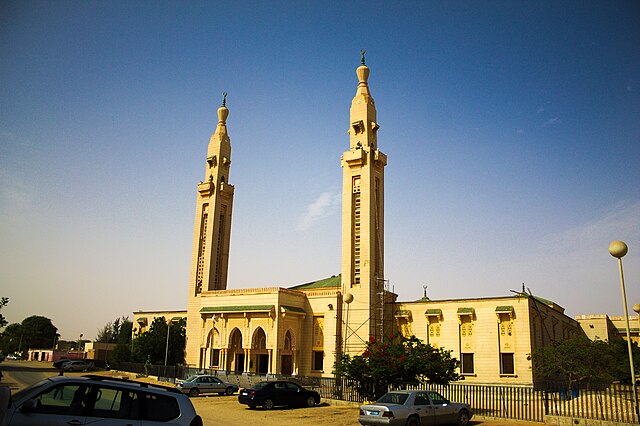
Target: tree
x,y
118,331
619,352
152,344
10,338
37,332
3,303
397,360
576,360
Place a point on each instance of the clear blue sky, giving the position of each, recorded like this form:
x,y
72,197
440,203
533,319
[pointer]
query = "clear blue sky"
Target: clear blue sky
x,y
512,130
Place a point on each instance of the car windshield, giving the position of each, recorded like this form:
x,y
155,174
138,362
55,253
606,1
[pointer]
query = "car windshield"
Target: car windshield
x,y
190,378
393,398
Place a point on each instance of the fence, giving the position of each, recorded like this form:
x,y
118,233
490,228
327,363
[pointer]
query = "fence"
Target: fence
x,y
612,402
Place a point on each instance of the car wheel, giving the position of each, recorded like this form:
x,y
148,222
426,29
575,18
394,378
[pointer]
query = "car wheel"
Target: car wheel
x,y
252,407
413,421
194,392
229,391
463,418
267,404
311,401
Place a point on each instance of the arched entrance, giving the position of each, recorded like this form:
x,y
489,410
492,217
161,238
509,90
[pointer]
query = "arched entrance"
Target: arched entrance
x,y
235,359
210,354
286,357
259,351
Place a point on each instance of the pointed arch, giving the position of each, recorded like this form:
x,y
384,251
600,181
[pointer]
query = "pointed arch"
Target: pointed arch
x,y
236,356
289,343
235,340
213,339
259,339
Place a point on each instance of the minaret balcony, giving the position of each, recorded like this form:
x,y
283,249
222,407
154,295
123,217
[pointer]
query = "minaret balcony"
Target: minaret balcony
x,y
380,157
354,158
206,188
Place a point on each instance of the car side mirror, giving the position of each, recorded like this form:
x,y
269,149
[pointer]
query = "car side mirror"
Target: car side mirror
x,y
29,405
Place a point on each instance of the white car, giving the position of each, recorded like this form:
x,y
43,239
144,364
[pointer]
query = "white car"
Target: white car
x,y
414,408
106,401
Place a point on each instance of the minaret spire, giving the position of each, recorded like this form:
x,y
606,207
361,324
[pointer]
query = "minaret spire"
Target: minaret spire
x,y
363,214
212,230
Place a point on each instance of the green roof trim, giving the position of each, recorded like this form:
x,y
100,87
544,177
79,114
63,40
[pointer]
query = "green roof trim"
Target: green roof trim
x,y
505,308
176,318
403,313
294,309
465,311
334,281
433,312
244,308
142,320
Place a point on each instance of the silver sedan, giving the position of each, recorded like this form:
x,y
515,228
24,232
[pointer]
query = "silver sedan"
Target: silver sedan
x,y
195,385
414,408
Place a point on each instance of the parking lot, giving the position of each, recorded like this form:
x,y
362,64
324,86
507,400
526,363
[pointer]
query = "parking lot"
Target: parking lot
x,y
226,410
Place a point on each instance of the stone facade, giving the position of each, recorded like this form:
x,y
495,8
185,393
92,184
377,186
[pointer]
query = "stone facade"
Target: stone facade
x,y
303,329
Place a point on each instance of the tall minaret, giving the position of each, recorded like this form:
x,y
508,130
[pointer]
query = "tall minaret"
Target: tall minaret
x,y
363,219
212,229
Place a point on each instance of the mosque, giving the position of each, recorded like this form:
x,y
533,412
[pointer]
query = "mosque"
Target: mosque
x,y
302,330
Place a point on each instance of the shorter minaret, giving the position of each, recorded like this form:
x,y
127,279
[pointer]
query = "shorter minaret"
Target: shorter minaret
x,y
212,229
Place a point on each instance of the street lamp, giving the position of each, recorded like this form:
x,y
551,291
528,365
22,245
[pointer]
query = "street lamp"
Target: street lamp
x,y
166,352
636,309
618,249
348,298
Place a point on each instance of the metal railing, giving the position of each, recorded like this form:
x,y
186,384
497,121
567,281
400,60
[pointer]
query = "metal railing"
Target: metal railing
x,y
613,402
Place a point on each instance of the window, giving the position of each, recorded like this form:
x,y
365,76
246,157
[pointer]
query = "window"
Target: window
x,y
318,361
421,399
160,408
68,399
438,399
506,364
115,403
467,364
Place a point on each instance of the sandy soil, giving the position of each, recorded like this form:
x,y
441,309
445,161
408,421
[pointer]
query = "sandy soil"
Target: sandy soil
x,y
225,410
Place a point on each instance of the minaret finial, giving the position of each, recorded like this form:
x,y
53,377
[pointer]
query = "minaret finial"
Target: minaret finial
x,y
224,99
362,52
424,287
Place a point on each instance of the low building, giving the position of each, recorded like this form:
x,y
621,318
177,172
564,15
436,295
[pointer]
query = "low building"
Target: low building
x,y
493,337
142,320
605,327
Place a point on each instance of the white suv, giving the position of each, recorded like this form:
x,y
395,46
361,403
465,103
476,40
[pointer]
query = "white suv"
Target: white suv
x,y
104,400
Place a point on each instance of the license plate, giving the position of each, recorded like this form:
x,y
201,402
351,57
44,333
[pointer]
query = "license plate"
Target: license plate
x,y
373,413
245,393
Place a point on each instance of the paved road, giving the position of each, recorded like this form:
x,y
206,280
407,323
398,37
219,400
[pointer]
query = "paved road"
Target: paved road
x,y
226,409
20,374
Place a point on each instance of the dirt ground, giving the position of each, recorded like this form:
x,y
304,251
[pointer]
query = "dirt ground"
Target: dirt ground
x,y
225,410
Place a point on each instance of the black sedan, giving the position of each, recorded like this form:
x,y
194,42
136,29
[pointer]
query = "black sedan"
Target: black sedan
x,y
281,392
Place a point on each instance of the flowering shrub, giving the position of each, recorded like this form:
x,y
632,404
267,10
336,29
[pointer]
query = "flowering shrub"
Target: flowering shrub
x,y
396,360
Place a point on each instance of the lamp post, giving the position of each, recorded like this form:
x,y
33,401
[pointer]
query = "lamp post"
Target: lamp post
x,y
348,298
618,249
166,352
636,309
